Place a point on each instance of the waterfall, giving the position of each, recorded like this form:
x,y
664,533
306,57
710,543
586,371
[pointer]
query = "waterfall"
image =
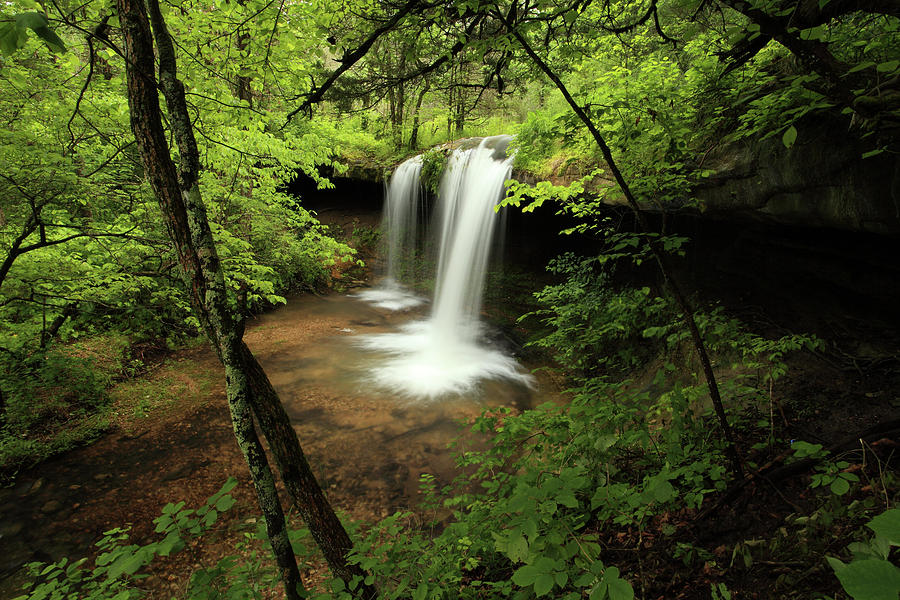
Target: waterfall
x,y
470,189
399,226
444,354
401,216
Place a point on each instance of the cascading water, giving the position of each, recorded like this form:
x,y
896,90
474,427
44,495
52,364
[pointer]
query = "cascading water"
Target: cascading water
x,y
400,226
443,354
470,189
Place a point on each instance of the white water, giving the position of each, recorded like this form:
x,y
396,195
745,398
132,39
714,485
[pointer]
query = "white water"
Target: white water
x,y
445,354
391,295
471,187
400,227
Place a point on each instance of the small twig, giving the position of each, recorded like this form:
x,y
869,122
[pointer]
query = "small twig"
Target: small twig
x,y
87,82
796,507
775,563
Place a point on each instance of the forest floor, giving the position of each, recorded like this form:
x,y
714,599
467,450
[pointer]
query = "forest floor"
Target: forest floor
x,y
171,440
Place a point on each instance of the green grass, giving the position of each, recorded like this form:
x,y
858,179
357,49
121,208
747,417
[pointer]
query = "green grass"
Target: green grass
x,y
72,394
174,385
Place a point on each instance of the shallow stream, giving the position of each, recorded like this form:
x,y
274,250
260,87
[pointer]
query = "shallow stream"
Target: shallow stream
x,y
368,447
374,443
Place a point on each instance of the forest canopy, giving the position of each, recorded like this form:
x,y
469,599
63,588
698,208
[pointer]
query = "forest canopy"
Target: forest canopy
x,y
276,89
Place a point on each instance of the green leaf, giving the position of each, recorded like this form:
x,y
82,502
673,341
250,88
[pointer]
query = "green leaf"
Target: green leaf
x,y
618,589
126,565
525,576
887,526
863,65
870,579
605,442
789,137
530,528
31,20
567,499
836,564
224,503
51,39
421,592
599,591
229,485
872,153
11,37
543,584
662,491
888,67
840,486
813,33
804,449
172,543
210,518
517,550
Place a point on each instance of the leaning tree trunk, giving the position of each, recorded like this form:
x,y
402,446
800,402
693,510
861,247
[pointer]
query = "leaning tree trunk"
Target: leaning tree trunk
x,y
50,332
248,389
659,254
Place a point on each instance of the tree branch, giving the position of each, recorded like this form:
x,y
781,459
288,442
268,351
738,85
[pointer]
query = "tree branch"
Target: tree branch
x,y
659,254
349,59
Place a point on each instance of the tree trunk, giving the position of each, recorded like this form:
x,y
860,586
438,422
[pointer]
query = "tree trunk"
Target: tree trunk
x,y
242,87
309,500
414,134
14,251
392,113
247,387
50,332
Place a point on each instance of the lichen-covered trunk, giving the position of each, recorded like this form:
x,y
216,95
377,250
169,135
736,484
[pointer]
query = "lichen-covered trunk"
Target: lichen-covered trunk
x,y
298,478
179,196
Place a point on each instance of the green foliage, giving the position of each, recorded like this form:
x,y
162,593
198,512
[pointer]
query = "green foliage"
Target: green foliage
x,y
433,163
555,484
871,575
833,474
13,32
18,452
647,102
248,575
555,480
116,569
543,191
84,249
86,243
80,224
530,519
719,592
365,237
594,328
56,400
